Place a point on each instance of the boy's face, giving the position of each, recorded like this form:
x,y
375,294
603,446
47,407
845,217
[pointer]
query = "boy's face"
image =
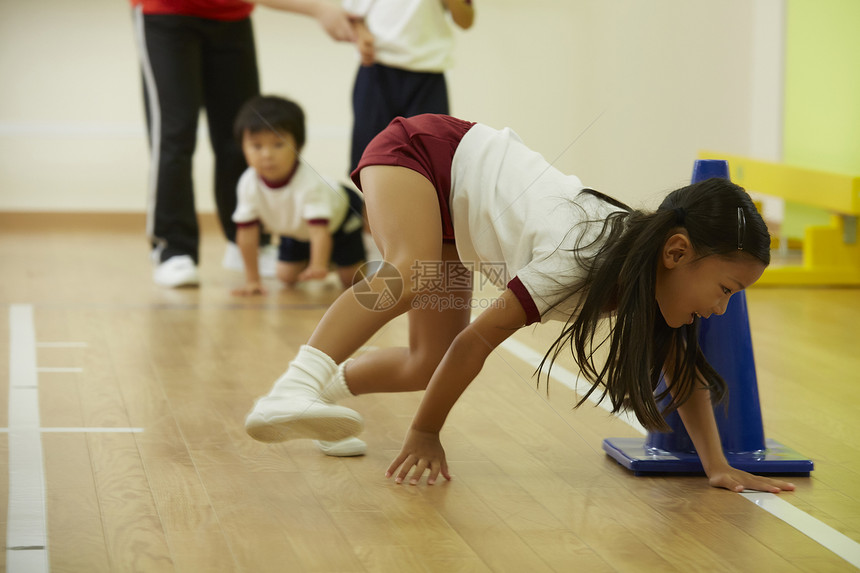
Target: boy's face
x,y
272,154
688,286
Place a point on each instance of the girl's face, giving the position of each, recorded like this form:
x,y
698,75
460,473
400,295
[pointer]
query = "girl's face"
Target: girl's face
x,y
272,154
688,286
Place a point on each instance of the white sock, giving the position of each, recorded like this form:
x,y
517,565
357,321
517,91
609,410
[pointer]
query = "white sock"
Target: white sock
x,y
337,388
307,374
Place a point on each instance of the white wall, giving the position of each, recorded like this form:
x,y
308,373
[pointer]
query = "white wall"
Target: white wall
x,y
656,81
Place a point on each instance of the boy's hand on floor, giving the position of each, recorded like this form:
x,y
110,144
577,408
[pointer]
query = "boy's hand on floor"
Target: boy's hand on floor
x,y
250,289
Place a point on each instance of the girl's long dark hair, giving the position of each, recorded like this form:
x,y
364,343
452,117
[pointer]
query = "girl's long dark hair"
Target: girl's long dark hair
x,y
720,219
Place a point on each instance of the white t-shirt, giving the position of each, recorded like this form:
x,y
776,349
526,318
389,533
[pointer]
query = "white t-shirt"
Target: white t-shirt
x,y
412,35
286,210
512,209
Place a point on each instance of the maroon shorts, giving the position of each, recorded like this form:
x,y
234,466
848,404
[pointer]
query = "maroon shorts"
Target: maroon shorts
x,y
425,144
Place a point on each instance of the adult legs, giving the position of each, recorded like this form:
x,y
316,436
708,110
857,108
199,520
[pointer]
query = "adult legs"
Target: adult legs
x,y
169,48
230,78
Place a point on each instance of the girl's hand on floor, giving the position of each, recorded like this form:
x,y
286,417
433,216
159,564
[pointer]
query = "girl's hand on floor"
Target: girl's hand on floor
x,y
423,451
737,480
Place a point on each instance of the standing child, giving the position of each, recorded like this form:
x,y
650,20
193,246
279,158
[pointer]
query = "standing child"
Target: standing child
x,y
405,47
319,221
568,252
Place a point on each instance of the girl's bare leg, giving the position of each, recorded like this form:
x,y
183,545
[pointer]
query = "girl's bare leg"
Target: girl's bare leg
x,y
403,208
405,211
436,318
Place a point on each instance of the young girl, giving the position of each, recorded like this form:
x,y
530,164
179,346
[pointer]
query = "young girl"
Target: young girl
x,y
567,252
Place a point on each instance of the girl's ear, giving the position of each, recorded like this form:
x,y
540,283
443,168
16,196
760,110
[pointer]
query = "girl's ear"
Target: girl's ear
x,y
676,249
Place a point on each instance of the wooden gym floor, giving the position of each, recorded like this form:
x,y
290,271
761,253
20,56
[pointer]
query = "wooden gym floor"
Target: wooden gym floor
x,y
142,391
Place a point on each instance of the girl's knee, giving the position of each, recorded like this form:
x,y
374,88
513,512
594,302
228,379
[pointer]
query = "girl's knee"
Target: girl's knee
x,y
420,368
392,280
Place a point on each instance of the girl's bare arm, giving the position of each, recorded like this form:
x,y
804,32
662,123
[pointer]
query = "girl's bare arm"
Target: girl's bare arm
x,y
422,448
697,413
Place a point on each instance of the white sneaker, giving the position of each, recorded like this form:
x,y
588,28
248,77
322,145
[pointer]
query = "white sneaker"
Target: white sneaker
x,y
176,272
295,409
233,258
281,418
343,448
267,261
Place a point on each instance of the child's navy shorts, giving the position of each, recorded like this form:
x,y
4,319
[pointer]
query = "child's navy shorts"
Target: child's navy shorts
x,y
347,244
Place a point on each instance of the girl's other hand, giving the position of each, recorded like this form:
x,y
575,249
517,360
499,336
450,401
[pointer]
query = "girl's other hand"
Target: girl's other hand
x,y
737,480
423,451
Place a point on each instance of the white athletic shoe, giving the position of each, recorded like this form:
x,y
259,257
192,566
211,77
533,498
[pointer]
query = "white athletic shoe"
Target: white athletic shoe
x,y
178,271
334,390
295,409
342,449
233,258
267,262
280,419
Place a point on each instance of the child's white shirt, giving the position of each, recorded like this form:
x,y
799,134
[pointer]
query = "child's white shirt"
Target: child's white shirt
x,y
512,208
412,35
286,210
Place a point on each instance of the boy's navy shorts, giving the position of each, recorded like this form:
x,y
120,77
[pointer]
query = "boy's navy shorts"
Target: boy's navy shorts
x,y
347,244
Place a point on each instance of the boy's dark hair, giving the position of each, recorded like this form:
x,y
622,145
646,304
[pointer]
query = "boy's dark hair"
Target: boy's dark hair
x,y
271,113
721,220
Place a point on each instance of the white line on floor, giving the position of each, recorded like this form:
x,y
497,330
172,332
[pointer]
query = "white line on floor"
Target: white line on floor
x,y
26,531
823,534
70,430
838,543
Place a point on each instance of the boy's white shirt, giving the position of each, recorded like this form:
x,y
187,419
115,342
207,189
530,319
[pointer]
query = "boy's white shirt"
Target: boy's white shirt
x,y
286,210
413,35
512,208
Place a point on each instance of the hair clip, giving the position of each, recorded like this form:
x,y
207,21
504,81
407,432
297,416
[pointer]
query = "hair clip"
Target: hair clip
x,y
742,228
